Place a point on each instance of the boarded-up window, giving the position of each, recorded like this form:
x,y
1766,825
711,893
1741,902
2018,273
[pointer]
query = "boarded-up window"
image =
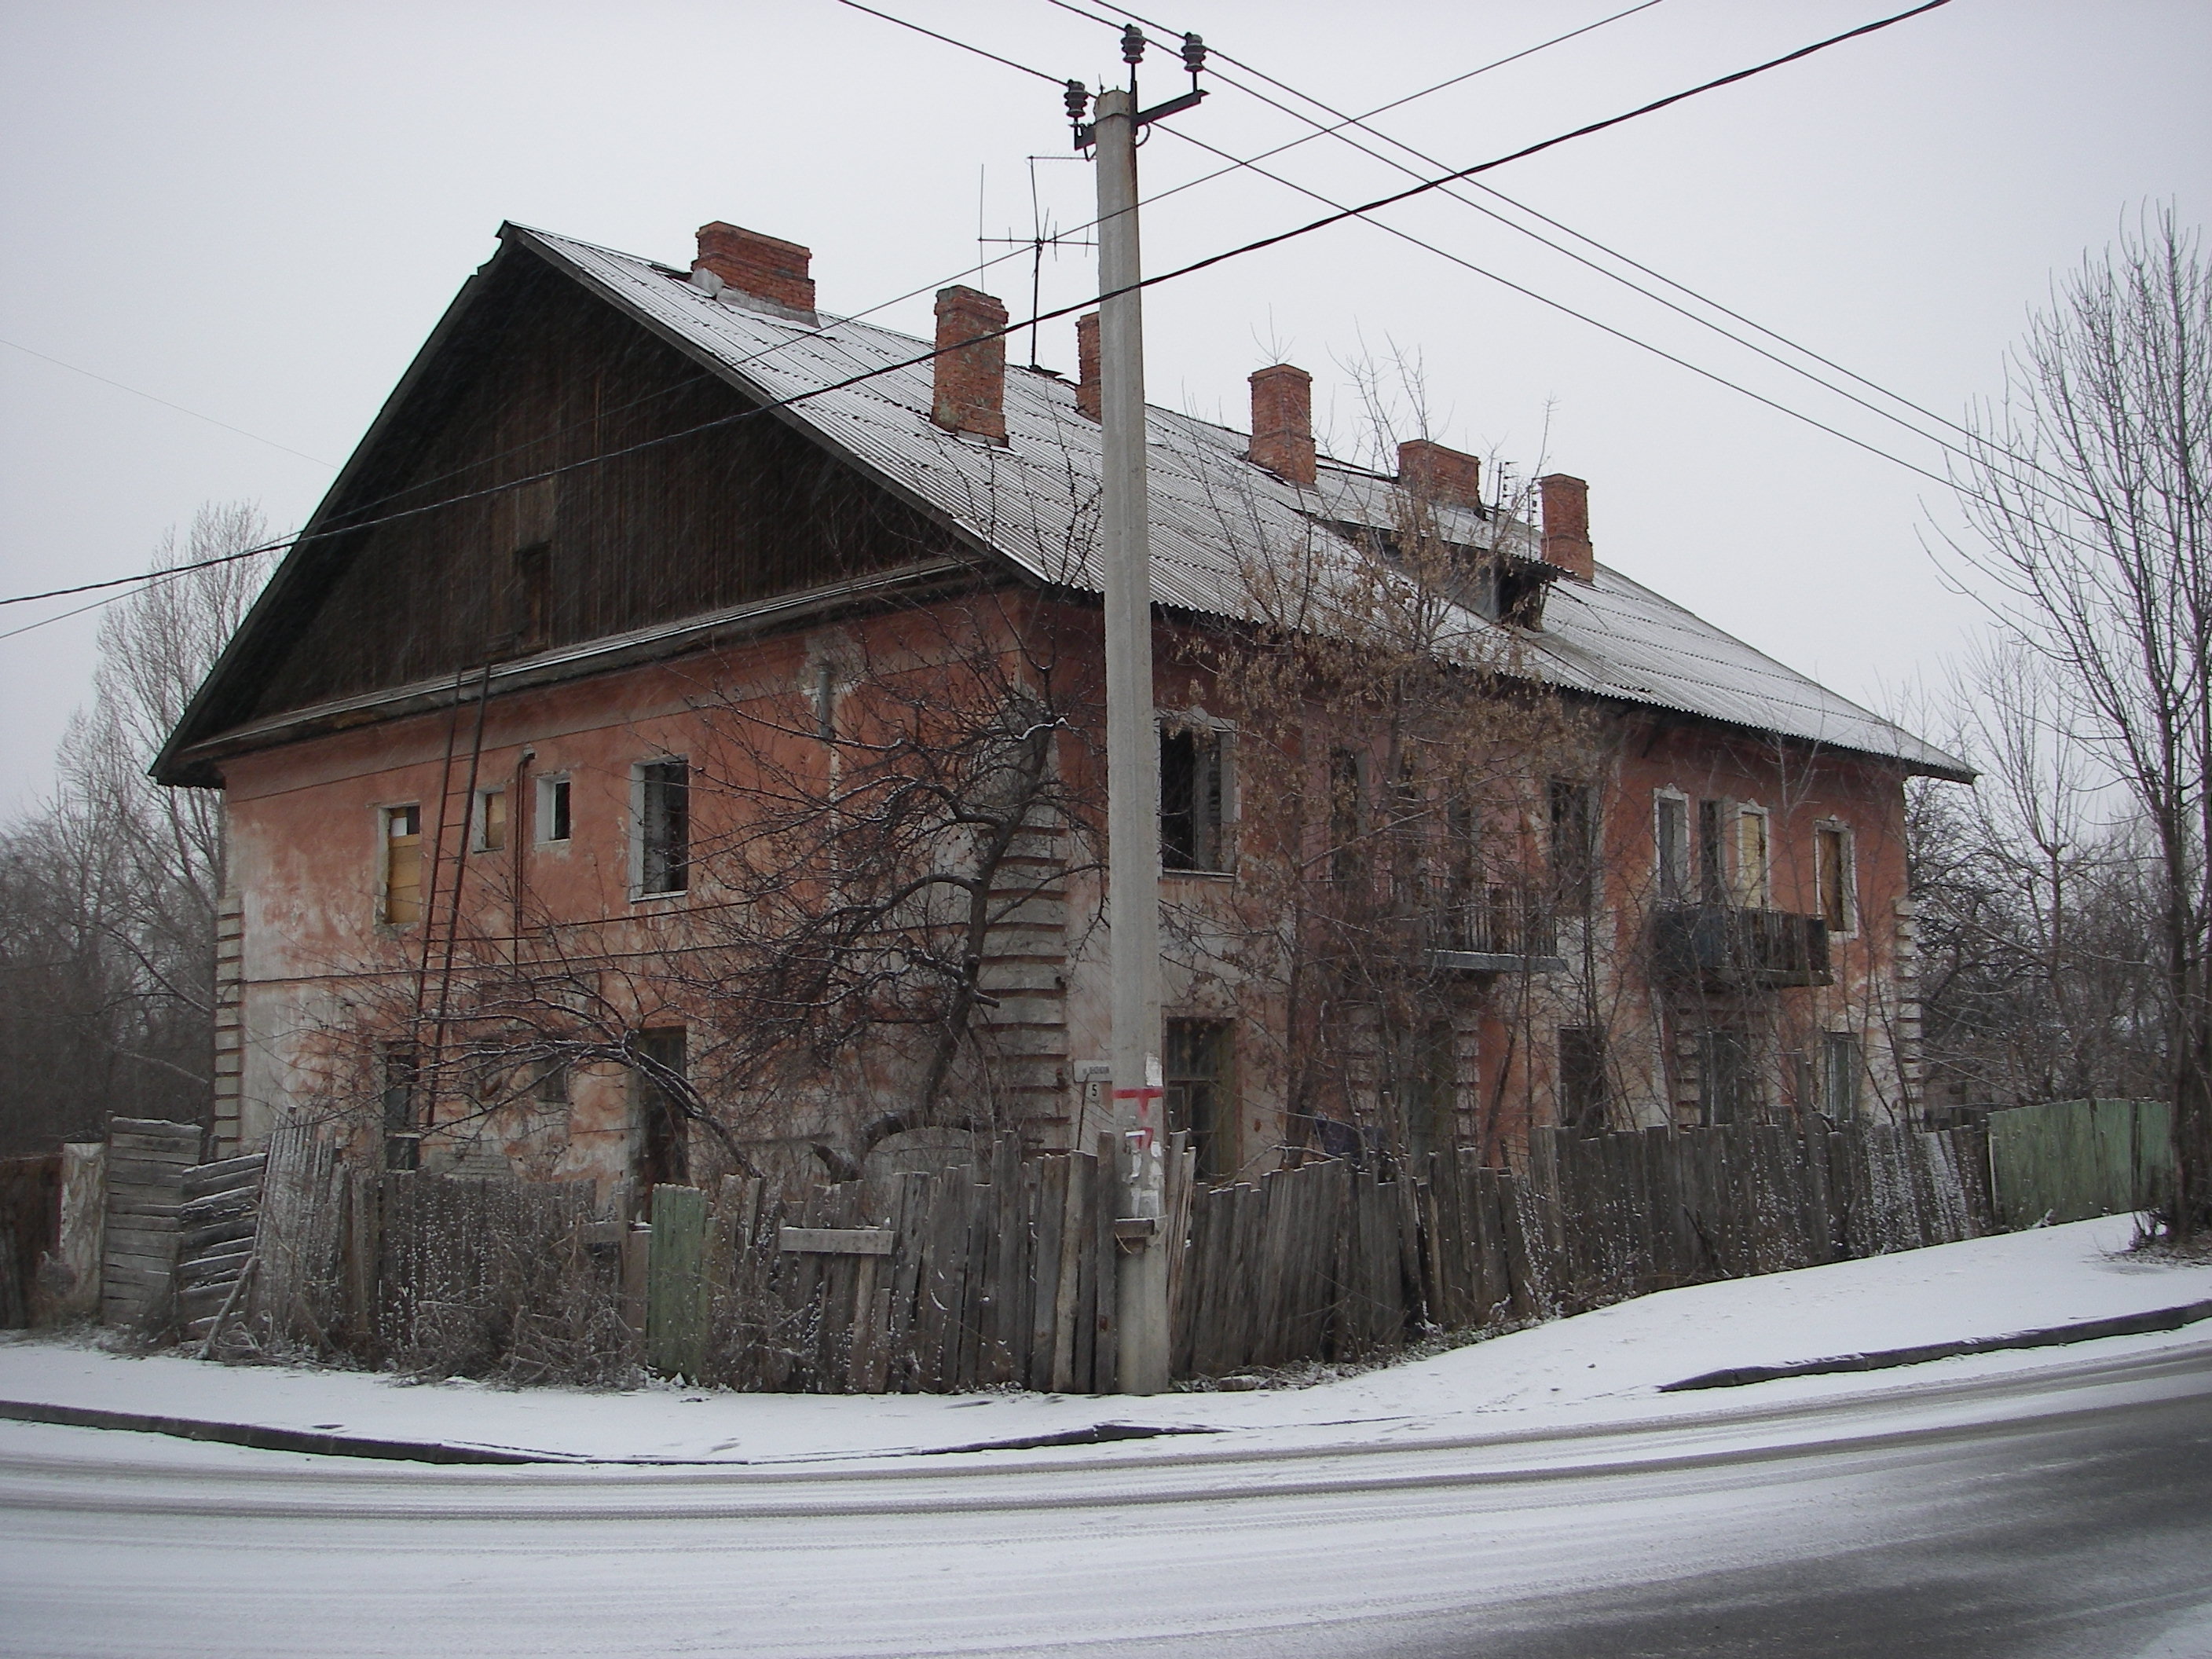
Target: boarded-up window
x,y
403,864
1574,845
533,598
1200,1100
662,1140
1751,864
1671,848
491,820
1194,800
664,820
1581,1079
1347,818
1832,857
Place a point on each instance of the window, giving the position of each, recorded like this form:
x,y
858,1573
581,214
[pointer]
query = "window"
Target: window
x,y
1751,868
491,820
663,827
403,864
548,1086
1728,1078
662,1144
533,598
553,820
1671,849
1429,1085
1712,855
400,1084
1463,895
825,700
1581,1079
1199,1101
1574,845
1843,1064
1194,800
1832,861
1347,818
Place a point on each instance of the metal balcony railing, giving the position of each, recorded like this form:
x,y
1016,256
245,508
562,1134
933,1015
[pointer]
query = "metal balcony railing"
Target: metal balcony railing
x,y
1725,946
1497,928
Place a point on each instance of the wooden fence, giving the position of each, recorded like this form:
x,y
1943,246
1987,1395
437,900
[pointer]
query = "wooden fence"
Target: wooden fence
x,y
1001,1271
2067,1160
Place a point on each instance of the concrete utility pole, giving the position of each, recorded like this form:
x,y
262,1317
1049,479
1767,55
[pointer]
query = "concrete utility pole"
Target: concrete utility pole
x,y
1132,757
1133,753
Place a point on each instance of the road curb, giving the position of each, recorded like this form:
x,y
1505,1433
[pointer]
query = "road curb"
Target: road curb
x,y
2090,1330
264,1438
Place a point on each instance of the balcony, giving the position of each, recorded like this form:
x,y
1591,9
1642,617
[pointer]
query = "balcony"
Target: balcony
x,y
1496,929
1725,947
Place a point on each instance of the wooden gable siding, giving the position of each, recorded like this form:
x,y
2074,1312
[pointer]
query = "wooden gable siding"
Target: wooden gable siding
x,y
693,522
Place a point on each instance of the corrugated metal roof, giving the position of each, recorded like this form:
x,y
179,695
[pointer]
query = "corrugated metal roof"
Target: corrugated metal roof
x,y
1215,516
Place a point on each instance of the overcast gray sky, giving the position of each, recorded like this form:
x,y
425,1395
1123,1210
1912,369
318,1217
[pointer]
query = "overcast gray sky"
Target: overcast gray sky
x,y
257,211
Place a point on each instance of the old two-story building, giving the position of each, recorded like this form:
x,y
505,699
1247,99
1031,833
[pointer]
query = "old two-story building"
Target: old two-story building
x,y
617,773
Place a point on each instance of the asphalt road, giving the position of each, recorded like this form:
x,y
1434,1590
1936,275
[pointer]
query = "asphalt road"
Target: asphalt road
x,y
2065,1512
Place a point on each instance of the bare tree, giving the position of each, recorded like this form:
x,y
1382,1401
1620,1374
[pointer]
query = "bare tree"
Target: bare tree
x,y
2087,496
107,924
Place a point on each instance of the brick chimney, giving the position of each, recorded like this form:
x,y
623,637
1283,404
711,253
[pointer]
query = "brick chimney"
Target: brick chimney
x,y
1447,477
760,267
1282,423
970,393
1086,365
1566,526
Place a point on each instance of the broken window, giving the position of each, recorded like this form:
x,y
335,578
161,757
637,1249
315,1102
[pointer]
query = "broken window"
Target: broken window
x,y
548,1086
1194,800
1581,1079
491,820
1843,1064
664,821
1199,1101
1347,818
403,864
1428,1071
553,809
1728,1076
399,1082
1573,845
1832,862
662,1143
1671,851
1712,855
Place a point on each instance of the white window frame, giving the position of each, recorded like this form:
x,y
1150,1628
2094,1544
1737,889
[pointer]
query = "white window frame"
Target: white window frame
x,y
1685,877
541,813
638,891
1223,735
1848,839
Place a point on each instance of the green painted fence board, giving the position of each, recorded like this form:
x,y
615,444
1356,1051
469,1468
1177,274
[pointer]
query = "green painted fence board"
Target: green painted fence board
x,y
676,1283
2069,1160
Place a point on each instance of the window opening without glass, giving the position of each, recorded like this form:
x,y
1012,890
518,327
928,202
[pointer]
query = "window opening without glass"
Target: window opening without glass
x,y
663,827
1199,1101
1193,798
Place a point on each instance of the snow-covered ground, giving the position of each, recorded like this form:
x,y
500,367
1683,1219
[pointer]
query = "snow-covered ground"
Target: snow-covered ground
x,y
1599,1367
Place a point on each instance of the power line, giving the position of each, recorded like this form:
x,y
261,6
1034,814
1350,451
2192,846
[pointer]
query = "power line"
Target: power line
x,y
74,369
1057,80
1361,122
1208,262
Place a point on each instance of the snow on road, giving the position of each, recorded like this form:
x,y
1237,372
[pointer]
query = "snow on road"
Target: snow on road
x,y
1529,1496
1597,1366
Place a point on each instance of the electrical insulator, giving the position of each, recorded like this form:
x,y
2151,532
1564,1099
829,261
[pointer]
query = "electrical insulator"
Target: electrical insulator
x,y
1193,54
1079,100
1133,44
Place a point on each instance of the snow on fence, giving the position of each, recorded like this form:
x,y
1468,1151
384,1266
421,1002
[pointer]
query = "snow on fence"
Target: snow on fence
x,y
1001,1271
